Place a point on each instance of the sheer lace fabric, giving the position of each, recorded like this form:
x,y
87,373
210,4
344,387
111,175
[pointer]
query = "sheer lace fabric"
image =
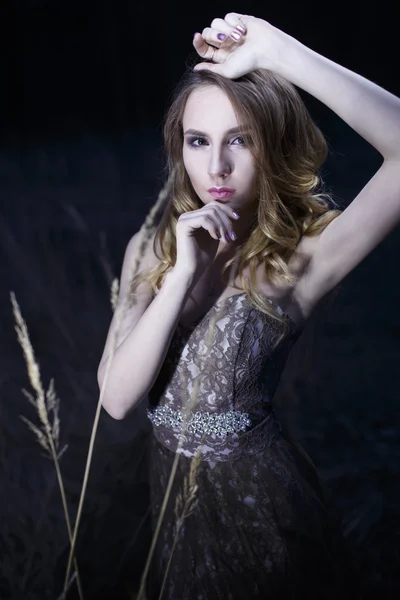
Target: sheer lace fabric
x,y
260,528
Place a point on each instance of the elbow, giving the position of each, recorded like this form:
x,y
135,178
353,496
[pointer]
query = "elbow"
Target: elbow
x,y
113,409
117,412
117,416
120,410
116,407
117,402
109,405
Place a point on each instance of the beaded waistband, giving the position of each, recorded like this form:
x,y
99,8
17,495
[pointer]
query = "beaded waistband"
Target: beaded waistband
x,y
221,424
222,436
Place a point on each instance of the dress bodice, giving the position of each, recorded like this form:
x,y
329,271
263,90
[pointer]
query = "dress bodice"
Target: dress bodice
x,y
248,520
233,370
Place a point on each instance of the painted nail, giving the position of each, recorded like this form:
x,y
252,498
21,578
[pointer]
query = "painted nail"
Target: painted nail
x,y
221,36
235,36
233,235
235,215
218,234
241,28
228,239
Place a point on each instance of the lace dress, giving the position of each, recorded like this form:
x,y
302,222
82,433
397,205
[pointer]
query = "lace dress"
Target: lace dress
x,y
260,528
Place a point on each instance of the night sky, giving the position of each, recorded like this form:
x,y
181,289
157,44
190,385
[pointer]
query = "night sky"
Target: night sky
x,y
83,88
113,64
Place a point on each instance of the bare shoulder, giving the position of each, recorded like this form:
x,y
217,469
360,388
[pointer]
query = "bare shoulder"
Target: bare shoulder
x,y
143,292
149,258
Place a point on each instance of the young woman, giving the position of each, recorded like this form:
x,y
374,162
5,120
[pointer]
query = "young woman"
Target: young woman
x,y
246,248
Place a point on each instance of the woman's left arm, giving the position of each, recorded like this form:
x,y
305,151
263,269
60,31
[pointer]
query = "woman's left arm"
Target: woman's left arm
x,y
371,111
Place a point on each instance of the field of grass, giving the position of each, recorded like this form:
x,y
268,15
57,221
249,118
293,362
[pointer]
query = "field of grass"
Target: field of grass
x,y
66,214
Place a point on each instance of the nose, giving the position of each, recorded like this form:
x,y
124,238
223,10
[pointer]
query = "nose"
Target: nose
x,y
219,164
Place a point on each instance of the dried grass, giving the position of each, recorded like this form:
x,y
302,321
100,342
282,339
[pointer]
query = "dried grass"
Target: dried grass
x,y
47,407
185,500
364,518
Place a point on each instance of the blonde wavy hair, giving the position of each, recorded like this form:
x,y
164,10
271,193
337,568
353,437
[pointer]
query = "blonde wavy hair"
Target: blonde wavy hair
x,y
288,150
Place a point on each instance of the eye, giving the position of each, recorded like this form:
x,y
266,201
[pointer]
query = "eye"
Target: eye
x,y
242,142
200,141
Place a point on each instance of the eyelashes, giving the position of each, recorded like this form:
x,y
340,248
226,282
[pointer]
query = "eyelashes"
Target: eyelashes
x,y
203,142
191,141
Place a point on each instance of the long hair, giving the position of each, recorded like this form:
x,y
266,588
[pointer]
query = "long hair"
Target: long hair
x,y
288,149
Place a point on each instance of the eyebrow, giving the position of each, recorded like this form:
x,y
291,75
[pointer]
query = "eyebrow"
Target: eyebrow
x,y
202,133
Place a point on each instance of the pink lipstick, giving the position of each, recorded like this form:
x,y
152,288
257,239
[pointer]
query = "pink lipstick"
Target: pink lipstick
x,y
220,193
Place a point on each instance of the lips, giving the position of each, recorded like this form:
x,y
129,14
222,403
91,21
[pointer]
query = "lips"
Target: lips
x,y
222,192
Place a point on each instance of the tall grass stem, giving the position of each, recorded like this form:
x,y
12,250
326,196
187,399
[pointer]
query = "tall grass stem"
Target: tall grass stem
x,y
145,233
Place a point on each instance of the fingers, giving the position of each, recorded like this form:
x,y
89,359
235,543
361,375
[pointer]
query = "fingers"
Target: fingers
x,y
226,32
224,209
221,32
202,48
214,227
236,21
217,227
222,35
216,36
215,218
222,220
233,25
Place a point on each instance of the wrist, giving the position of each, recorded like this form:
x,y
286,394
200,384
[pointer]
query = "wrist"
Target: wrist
x,y
180,275
288,56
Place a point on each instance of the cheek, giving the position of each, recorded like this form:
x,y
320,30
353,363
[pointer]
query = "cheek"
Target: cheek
x,y
245,159
192,165
249,171
186,160
253,172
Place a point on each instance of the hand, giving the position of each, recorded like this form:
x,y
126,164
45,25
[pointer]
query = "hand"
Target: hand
x,y
198,233
250,43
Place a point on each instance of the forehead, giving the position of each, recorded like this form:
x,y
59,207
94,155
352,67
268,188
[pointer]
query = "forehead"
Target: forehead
x,y
209,108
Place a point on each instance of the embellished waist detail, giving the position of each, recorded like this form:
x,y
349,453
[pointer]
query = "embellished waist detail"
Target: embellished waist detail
x,y
218,437
221,424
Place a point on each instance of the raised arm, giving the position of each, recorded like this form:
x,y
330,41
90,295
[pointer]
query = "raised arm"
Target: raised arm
x,y
240,43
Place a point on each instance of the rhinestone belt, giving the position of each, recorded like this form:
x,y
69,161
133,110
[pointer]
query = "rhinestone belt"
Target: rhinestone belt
x,y
221,424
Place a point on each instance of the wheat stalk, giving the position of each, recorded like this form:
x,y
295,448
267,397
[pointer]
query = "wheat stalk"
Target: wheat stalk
x,y
185,503
45,403
174,467
71,581
114,294
167,494
120,309
190,406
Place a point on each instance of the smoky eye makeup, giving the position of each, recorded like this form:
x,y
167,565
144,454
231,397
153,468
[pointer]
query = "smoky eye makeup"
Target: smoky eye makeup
x,y
201,141
198,141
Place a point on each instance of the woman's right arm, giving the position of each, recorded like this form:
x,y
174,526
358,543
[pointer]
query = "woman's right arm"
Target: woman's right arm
x,y
147,329
145,336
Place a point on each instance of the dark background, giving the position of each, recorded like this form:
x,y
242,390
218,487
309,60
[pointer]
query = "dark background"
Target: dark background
x,y
84,86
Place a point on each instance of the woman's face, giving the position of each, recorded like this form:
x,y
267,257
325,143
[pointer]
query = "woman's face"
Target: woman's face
x,y
214,152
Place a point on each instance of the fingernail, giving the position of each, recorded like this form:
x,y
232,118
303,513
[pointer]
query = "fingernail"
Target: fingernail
x,y
235,215
241,28
221,36
236,36
228,239
233,235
